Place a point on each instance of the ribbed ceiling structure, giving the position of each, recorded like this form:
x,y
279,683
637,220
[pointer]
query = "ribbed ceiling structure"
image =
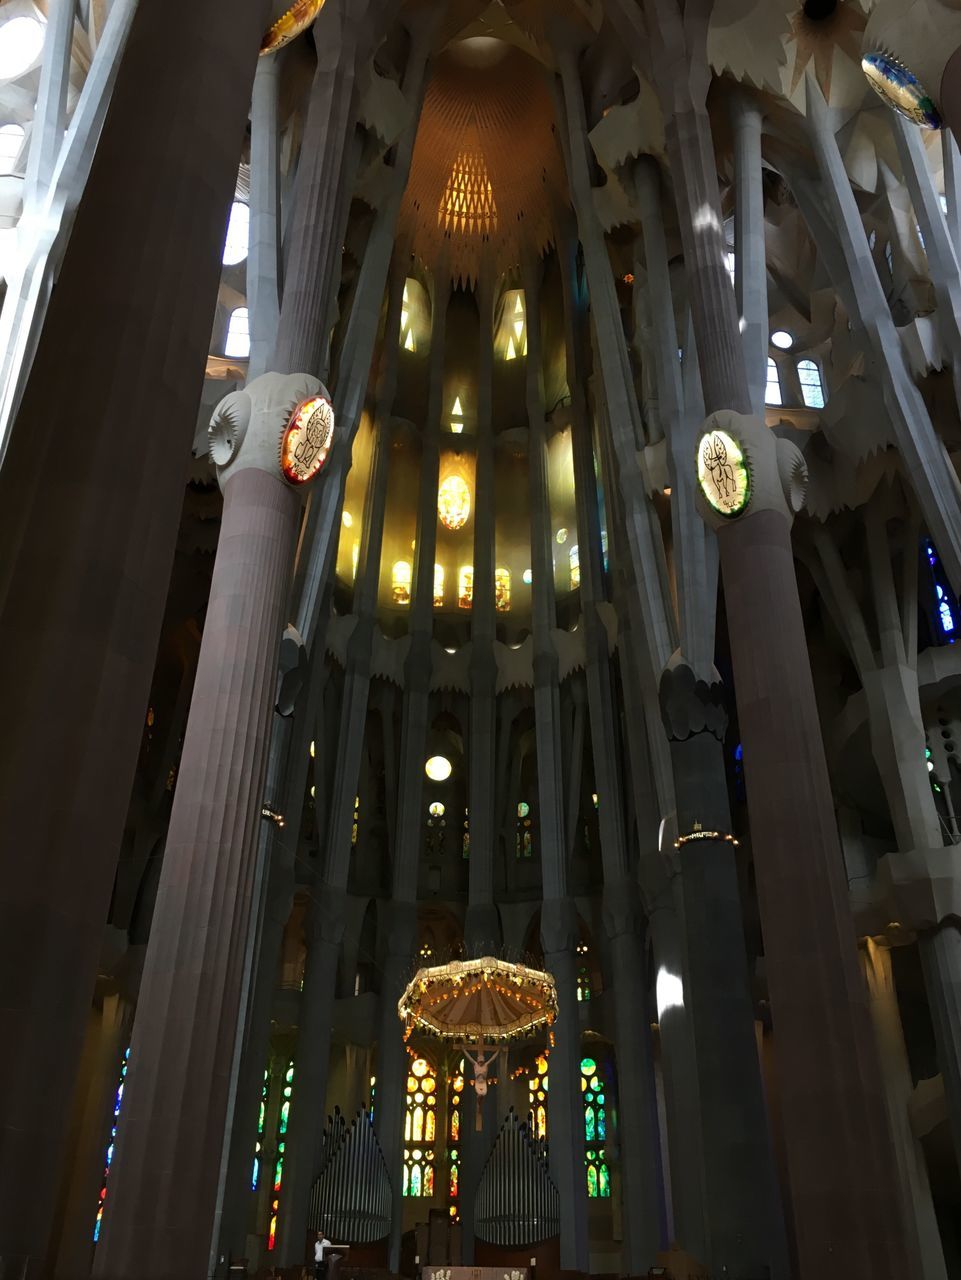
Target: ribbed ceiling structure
x,y
486,168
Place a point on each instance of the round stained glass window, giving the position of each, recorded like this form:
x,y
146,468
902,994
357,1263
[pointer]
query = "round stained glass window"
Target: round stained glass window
x,y
420,1067
453,503
901,89
438,768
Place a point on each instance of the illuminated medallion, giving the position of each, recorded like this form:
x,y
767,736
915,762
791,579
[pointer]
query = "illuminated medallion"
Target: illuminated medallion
x,y
453,503
305,444
901,89
290,25
722,473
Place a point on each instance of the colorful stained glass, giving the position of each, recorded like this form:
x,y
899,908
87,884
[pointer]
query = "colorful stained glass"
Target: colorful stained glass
x,y
420,1126
453,503
108,1158
415,1181
595,1129
284,1116
455,1125
592,1180
590,1129
428,1180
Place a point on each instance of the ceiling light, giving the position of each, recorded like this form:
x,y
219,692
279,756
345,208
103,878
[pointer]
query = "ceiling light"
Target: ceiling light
x,y
438,768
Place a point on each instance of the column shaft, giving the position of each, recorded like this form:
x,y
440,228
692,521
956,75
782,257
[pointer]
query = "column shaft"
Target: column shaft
x,y
89,524
160,1210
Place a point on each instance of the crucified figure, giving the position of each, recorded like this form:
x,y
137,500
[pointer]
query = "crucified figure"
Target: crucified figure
x,y
480,1064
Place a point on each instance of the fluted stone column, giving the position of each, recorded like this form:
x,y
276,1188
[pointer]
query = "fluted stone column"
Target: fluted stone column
x,y
559,929
750,259
88,527
159,1221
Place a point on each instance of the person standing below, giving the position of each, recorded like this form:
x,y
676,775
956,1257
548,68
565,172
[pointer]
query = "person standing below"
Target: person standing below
x,y
321,1245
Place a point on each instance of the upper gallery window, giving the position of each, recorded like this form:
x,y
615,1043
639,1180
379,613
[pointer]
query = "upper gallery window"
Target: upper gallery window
x,y
238,334
453,502
574,558
510,339
400,580
11,144
238,234
457,417
21,40
772,392
812,388
502,590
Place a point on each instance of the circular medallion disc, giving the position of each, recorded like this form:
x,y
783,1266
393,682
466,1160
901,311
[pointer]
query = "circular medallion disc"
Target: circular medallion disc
x,y
722,473
901,89
306,441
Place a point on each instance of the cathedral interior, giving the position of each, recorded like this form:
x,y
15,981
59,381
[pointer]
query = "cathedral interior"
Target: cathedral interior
x,y
480,710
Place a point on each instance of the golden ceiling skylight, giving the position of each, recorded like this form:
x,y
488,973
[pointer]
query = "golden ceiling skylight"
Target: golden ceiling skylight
x,y
467,204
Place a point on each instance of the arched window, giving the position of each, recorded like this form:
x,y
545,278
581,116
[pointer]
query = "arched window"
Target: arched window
x,y
812,389
238,334
465,838
108,1158
574,558
438,586
414,317
11,143
873,239
355,823
524,839
889,256
282,1120
465,586
537,1086
595,1129
238,234
400,579
420,1129
436,825
772,392
502,590
261,1121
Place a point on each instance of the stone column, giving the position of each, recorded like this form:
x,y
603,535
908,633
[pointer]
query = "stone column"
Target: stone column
x,y
750,259
559,916
160,1216
643,1194
924,1241
88,528
263,256
50,113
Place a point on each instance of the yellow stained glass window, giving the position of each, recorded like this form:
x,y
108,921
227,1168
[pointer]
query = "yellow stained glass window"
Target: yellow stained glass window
x,y
453,503
438,585
465,586
502,590
400,580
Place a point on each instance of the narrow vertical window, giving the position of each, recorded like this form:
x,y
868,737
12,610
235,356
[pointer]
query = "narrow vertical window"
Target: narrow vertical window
x,y
524,840
595,1130
108,1158
282,1120
465,586
574,559
238,234
400,580
772,392
502,590
420,1129
237,344
537,1087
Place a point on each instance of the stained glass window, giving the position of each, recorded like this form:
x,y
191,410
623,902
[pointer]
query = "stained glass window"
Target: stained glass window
x,y
583,972
595,1129
465,838
282,1120
943,597
237,344
438,586
457,417
354,826
502,590
261,1121
812,388
455,1114
772,392
574,558
108,1158
453,502
465,586
511,338
537,1090
524,839
420,1129
400,580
